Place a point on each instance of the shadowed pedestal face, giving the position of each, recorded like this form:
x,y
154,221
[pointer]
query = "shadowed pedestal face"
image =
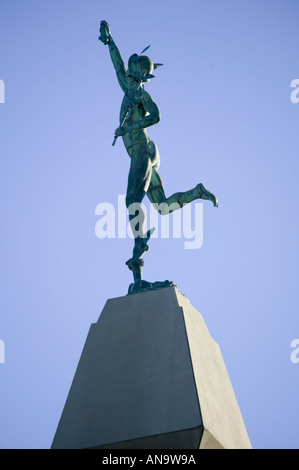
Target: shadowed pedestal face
x,y
150,376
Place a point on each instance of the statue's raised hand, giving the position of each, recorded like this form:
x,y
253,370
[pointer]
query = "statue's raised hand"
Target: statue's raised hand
x,y
104,32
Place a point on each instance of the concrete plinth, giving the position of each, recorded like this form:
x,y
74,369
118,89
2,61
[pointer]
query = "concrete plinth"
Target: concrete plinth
x,y
150,376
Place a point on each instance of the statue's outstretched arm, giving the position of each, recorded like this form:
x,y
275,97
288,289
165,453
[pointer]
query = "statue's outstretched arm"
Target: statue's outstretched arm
x,y
115,55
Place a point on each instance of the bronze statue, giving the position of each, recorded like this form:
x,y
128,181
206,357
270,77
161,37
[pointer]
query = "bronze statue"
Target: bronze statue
x,y
139,111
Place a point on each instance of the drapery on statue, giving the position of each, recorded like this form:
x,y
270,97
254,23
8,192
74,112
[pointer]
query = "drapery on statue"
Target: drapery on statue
x,y
139,111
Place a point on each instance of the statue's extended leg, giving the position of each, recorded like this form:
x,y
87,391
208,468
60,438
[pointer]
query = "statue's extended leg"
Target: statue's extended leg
x,y
138,183
166,205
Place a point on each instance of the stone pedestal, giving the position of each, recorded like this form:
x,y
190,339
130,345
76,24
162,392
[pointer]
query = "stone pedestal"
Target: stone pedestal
x,y
151,377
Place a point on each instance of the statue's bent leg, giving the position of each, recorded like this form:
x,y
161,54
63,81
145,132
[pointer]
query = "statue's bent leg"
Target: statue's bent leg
x,y
166,205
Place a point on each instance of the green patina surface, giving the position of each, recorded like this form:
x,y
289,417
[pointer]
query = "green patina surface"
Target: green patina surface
x,y
138,112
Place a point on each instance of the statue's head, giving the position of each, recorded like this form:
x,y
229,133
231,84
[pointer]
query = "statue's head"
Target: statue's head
x,y
139,67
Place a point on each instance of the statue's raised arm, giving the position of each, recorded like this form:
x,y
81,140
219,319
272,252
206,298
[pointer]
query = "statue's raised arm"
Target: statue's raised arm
x,y
118,63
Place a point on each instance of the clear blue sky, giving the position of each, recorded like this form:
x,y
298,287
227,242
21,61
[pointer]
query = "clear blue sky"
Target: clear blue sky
x,y
226,121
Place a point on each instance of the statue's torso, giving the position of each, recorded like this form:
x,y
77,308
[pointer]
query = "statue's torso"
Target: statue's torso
x,y
135,142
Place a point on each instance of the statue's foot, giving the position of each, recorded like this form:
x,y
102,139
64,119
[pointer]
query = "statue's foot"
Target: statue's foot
x,y
141,286
205,194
